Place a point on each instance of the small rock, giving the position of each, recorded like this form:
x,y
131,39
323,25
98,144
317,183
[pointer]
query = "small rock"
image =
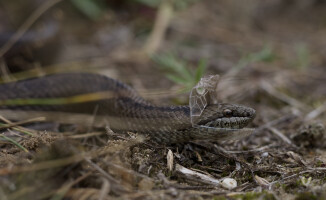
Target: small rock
x,y
229,183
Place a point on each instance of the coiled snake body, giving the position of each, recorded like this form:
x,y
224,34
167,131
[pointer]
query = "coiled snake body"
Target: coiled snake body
x,y
98,100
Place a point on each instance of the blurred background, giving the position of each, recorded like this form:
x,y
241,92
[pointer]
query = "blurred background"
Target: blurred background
x,y
255,45
271,55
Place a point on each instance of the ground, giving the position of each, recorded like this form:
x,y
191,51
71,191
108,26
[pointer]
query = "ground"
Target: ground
x,y
270,56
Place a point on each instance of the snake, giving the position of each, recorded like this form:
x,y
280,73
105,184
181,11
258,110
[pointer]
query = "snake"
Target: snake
x,y
97,100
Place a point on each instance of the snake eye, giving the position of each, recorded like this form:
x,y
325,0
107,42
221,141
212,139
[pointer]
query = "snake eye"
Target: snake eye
x,y
227,113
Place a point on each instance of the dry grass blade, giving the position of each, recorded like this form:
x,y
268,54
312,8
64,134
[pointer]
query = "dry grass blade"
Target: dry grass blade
x,y
52,163
86,135
104,190
38,119
162,21
281,96
116,185
281,135
315,113
19,128
64,191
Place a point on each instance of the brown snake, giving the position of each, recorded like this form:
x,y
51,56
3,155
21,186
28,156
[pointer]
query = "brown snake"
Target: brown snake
x,y
98,100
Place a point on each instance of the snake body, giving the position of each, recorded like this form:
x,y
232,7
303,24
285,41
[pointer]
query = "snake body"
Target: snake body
x,y
99,100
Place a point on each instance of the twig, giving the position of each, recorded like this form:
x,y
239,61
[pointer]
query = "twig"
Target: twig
x,y
280,135
217,150
249,151
193,175
104,190
291,176
116,185
108,176
62,191
129,171
27,24
276,121
315,113
317,168
5,71
281,96
79,136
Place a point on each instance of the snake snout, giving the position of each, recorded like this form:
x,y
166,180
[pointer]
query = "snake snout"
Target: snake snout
x,y
242,116
251,113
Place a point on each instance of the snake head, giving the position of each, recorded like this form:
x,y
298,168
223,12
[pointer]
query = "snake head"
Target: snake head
x,y
221,122
228,116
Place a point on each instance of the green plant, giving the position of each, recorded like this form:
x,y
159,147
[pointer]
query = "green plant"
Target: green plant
x,y
265,55
178,71
14,142
302,56
178,4
92,9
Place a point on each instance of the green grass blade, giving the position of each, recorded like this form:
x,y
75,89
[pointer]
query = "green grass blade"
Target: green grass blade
x,y
200,69
14,142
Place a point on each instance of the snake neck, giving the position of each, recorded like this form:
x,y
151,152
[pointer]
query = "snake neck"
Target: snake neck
x,y
138,116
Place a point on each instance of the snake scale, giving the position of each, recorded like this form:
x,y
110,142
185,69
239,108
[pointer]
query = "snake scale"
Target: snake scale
x,y
93,99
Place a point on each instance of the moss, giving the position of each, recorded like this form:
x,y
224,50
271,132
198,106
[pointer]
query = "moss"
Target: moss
x,y
292,186
306,196
319,164
219,198
253,195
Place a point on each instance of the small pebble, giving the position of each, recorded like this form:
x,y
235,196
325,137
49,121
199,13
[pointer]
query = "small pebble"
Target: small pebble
x,y
229,183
